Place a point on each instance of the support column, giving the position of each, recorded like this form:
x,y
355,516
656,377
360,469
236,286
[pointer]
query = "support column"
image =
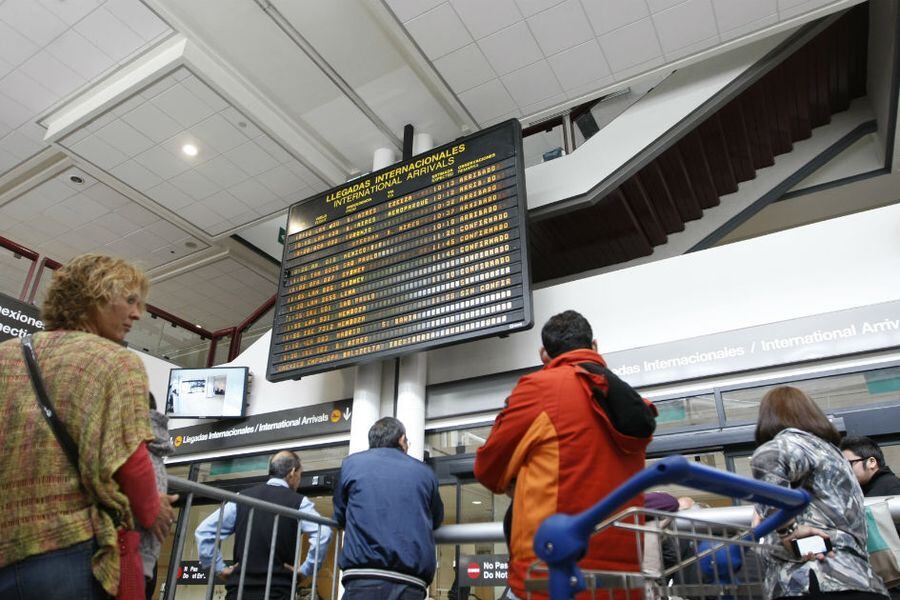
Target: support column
x,y
414,369
367,387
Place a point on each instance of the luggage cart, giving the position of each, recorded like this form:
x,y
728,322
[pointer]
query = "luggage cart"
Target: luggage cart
x,y
707,567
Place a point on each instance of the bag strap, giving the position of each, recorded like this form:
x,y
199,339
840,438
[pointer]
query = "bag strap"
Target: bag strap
x,y
46,406
49,411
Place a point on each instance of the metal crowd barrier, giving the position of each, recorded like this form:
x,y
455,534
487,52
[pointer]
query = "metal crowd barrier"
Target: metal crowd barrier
x,y
715,522
191,489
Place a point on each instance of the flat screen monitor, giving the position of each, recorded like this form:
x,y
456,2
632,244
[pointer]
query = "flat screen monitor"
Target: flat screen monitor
x,y
216,392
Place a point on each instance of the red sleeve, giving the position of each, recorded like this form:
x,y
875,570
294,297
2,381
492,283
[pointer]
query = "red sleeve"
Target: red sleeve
x,y
138,482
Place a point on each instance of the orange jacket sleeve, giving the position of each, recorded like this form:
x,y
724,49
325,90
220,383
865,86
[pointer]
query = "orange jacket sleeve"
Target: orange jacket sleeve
x,y
499,459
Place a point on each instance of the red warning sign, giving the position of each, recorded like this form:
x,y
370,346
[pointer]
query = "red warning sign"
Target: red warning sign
x,y
474,570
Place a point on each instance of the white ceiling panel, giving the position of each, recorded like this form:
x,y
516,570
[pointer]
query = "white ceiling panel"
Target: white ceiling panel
x,y
488,101
439,31
532,84
137,17
99,152
152,122
407,9
195,185
251,158
52,73
685,24
61,219
481,22
465,68
630,45
15,48
660,5
26,91
561,27
580,65
223,171
124,138
70,11
109,34
183,106
732,14
80,55
511,48
32,20
12,114
607,15
532,7
162,162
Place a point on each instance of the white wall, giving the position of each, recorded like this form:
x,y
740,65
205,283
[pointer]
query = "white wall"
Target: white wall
x,y
837,264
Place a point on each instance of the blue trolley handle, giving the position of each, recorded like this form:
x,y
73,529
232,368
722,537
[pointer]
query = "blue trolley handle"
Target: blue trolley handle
x,y
562,540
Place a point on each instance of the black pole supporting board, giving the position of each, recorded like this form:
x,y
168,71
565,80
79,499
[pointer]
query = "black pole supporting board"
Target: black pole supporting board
x,y
425,253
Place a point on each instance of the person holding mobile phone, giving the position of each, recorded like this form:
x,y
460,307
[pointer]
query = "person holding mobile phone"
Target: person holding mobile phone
x,y
824,548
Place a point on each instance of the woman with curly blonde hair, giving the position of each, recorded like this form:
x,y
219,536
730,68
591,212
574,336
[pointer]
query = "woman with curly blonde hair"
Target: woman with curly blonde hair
x,y
59,540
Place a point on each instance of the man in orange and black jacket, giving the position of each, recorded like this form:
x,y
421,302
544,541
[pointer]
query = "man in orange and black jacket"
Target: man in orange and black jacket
x,y
570,434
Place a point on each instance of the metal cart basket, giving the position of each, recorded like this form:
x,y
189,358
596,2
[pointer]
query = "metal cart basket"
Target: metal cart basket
x,y
680,556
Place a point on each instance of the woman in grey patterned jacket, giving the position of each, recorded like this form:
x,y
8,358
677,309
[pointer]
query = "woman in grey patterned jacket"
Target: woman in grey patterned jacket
x,y
798,448
158,449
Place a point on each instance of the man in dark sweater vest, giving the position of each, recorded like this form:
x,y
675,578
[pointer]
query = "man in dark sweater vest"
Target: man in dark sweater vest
x,y
876,478
389,505
281,488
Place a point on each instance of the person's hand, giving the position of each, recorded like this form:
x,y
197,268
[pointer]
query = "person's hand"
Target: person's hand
x,y
802,531
224,573
303,580
165,517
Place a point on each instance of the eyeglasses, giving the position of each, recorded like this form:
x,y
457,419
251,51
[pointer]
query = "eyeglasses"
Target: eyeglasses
x,y
856,460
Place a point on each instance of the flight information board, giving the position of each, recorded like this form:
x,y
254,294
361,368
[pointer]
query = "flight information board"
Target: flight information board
x,y
421,254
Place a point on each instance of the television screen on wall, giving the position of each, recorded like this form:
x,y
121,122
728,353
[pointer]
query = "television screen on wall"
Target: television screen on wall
x,y
216,392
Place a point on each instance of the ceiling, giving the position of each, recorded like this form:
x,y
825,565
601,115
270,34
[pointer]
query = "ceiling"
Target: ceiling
x,y
282,100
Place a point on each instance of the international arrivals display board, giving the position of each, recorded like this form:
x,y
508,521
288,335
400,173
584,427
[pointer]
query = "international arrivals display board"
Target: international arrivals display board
x,y
424,253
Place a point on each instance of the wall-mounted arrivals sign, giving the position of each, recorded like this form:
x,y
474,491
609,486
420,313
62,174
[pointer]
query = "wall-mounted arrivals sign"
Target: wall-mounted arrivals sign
x,y
482,570
294,423
18,319
421,254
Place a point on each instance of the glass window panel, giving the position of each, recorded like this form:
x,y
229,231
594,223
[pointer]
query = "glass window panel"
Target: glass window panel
x,y
258,329
314,459
13,272
477,505
457,441
543,146
46,277
715,460
162,339
832,394
681,413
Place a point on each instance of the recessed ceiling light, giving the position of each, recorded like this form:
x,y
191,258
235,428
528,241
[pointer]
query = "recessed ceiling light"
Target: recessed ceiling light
x,y
189,149
476,501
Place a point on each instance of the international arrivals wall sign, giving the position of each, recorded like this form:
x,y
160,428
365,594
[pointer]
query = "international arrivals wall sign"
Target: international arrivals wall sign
x,y
421,254
282,425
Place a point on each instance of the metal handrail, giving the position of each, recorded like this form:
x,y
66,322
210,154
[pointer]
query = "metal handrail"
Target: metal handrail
x,y
192,489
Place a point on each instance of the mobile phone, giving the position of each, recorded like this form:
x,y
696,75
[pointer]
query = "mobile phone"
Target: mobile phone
x,y
815,544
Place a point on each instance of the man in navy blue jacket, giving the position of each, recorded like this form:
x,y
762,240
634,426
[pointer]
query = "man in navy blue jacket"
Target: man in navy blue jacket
x,y
389,506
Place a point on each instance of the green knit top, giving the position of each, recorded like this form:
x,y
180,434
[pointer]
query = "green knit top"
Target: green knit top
x,y
100,392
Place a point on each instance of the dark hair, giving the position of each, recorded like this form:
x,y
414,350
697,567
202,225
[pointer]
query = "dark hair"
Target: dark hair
x,y
566,331
283,463
386,433
787,406
152,401
864,447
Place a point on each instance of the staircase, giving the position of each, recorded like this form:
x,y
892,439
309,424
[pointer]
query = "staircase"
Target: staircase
x,y
783,106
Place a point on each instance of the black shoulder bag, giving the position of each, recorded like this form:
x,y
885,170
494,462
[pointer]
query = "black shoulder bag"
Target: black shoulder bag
x,y
131,570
